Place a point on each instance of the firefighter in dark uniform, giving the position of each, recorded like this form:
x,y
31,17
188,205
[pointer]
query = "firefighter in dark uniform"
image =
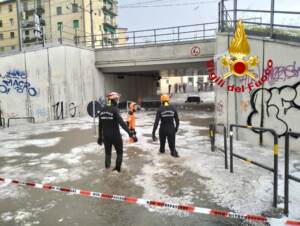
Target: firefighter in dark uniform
x,y
109,131
167,115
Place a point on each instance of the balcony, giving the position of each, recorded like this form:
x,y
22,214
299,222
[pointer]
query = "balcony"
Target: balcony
x,y
110,24
39,11
27,24
110,9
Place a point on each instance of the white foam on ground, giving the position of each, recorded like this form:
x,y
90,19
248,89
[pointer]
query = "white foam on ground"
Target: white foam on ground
x,y
248,190
42,143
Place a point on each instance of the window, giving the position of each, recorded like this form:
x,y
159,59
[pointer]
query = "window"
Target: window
x,y
39,3
1,37
12,35
100,29
27,32
25,6
75,24
1,23
10,8
74,8
59,26
59,10
11,20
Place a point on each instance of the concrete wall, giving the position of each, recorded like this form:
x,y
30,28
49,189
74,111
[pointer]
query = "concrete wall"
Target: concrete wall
x,y
279,102
39,83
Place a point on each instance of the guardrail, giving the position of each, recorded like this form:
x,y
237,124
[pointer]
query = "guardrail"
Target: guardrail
x,y
287,175
275,154
228,18
20,118
212,135
201,31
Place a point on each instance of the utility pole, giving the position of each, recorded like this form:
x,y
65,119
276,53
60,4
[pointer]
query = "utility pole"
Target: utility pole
x,y
19,24
92,24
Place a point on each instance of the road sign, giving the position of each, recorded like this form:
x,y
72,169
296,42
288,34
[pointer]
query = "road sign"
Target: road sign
x,y
195,51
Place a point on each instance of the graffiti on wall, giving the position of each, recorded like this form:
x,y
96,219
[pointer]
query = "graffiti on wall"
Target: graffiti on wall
x,y
283,73
40,112
58,109
280,105
245,105
220,108
16,80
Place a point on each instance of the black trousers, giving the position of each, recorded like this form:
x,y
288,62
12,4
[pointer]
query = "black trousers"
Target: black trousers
x,y
171,137
117,142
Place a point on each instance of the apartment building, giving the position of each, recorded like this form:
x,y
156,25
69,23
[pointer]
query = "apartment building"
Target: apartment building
x,y
66,21
8,25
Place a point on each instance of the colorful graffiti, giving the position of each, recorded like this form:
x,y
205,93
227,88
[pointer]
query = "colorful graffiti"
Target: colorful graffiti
x,y
280,107
16,80
283,73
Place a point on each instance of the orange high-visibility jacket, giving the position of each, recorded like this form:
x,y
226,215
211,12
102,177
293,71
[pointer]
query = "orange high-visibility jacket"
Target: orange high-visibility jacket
x,y
131,121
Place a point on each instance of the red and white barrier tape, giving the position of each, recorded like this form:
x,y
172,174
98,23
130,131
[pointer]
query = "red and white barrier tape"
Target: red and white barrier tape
x,y
186,208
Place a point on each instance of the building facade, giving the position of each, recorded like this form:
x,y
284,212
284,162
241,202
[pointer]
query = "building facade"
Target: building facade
x,y
8,25
59,21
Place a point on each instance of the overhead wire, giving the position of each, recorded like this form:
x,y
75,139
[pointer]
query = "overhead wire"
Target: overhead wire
x,y
167,5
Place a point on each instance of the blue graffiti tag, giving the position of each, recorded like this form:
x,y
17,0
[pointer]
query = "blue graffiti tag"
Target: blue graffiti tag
x,y
17,80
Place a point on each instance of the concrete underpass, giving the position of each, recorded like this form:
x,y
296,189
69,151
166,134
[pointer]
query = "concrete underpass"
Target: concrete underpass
x,y
61,149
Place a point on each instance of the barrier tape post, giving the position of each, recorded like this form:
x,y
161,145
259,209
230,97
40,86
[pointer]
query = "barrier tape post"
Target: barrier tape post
x,y
186,208
275,154
287,175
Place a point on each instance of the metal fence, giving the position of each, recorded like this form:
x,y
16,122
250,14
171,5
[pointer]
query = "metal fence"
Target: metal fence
x,y
229,13
274,170
202,31
287,175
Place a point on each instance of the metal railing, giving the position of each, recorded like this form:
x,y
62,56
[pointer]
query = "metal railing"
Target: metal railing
x,y
32,119
274,170
212,135
287,175
202,31
228,17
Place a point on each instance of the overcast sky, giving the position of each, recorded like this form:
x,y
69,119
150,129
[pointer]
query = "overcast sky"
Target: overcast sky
x,y
193,12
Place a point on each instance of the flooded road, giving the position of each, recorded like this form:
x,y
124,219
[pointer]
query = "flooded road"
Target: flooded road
x,y
66,154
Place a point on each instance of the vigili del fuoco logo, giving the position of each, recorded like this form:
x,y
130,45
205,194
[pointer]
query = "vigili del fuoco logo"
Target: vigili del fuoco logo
x,y
238,63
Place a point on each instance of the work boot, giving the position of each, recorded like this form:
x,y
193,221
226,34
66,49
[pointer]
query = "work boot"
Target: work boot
x,y
161,151
175,154
117,169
